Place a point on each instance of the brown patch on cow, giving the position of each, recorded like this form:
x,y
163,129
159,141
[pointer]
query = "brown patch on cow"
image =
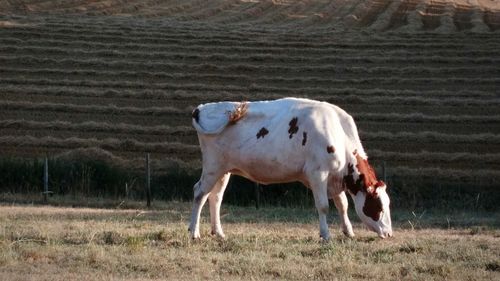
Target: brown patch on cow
x,y
373,206
330,149
304,138
239,111
350,184
293,127
365,170
196,114
355,152
262,133
367,180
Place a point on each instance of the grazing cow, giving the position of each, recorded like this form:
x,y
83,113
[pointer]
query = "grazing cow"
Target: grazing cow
x,y
287,140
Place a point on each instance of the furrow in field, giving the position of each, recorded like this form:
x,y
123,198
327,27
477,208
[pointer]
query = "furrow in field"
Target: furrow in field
x,y
346,98
393,82
184,100
95,126
463,159
97,109
61,133
200,92
112,144
81,117
193,40
11,63
166,29
431,137
147,51
447,175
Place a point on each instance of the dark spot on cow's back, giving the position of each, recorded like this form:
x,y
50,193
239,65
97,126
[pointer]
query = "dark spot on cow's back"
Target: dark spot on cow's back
x,y
196,114
373,206
262,133
293,127
330,149
304,138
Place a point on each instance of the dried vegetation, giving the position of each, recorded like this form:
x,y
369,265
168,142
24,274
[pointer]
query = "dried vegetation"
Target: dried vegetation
x,y
46,243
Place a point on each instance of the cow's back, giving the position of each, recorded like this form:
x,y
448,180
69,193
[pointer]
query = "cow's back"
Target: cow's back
x,y
276,141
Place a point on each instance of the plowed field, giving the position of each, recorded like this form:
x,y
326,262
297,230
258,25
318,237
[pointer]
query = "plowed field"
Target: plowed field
x,y
421,78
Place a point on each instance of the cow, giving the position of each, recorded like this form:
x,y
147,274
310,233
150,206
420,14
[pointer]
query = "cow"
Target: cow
x,y
286,140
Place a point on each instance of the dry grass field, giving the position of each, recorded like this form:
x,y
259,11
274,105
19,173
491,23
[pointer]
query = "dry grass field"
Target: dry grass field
x,y
48,243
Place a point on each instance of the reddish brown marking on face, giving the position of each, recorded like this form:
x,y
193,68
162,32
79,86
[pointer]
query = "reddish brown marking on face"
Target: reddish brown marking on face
x,y
262,133
293,127
373,206
304,138
196,115
330,149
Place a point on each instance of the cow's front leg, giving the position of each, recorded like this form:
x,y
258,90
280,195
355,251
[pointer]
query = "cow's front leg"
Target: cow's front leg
x,y
201,192
318,184
215,201
341,203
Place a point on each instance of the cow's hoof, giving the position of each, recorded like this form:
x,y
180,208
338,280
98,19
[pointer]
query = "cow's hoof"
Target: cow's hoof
x,y
218,234
324,238
348,234
195,236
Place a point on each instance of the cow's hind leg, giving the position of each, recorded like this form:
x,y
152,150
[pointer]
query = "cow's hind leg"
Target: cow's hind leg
x,y
215,201
201,190
318,182
341,203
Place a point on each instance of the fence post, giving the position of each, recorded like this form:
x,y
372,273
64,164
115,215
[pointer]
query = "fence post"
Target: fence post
x,y
148,181
45,180
257,196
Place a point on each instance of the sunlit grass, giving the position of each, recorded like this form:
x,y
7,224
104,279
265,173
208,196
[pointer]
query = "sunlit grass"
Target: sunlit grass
x,y
49,243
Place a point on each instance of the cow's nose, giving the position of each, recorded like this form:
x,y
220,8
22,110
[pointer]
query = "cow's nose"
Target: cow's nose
x,y
385,235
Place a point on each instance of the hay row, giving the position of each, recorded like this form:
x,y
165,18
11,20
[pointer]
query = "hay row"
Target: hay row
x,y
487,176
94,126
421,137
389,43
171,27
246,79
201,92
113,144
262,59
69,35
344,99
474,159
250,67
431,137
218,92
51,46
95,109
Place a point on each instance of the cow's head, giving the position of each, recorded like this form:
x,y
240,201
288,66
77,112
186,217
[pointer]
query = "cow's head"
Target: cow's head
x,y
370,197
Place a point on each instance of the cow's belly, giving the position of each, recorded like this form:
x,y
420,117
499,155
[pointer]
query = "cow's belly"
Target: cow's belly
x,y
269,171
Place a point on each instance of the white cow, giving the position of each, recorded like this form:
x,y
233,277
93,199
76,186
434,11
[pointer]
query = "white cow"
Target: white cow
x,y
287,140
